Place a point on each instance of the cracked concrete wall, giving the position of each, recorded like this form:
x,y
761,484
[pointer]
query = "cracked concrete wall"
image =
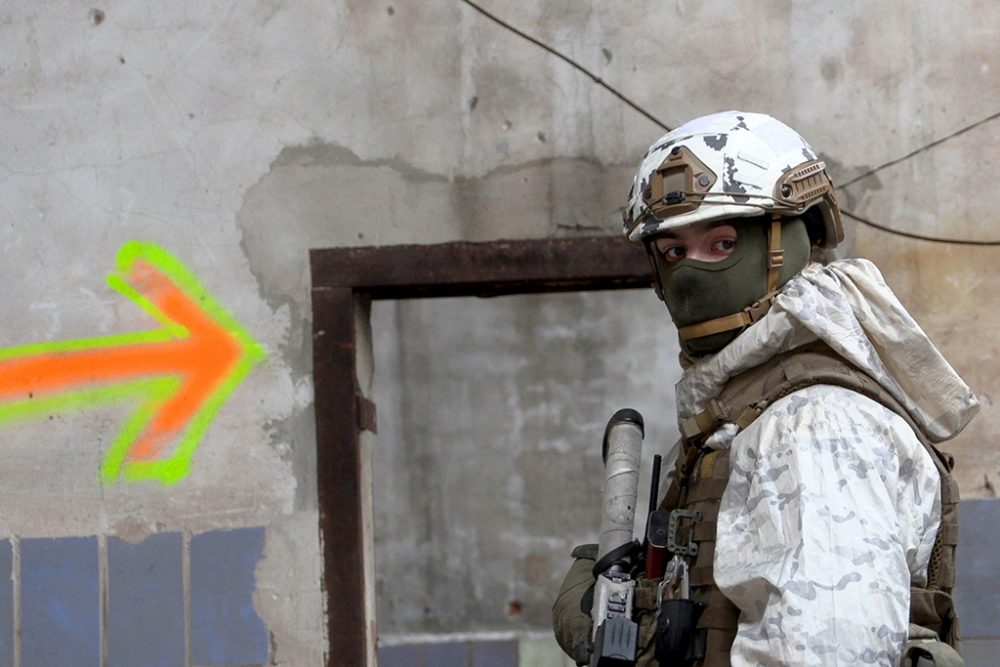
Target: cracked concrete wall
x,y
238,135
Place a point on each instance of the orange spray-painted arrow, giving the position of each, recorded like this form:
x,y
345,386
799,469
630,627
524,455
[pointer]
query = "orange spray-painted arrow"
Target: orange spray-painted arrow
x,y
183,372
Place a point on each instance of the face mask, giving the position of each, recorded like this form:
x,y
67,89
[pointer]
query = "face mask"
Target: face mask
x,y
697,291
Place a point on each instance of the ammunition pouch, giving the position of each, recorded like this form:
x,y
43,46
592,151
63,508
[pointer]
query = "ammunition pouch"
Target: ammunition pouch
x,y
678,641
645,615
934,611
924,649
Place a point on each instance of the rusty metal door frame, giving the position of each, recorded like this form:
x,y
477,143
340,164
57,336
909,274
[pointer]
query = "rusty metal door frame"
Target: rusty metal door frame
x,y
344,281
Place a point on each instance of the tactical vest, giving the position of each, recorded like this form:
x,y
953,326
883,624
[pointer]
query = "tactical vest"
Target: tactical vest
x,y
701,476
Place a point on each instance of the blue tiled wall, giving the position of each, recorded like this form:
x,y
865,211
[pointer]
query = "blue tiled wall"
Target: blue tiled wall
x,y
6,605
976,590
978,573
225,628
451,654
146,602
61,612
494,654
60,602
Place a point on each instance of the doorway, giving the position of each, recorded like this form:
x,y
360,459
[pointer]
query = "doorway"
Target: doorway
x,y
345,281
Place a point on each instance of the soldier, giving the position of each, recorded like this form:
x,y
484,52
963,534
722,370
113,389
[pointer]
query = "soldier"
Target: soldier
x,y
809,405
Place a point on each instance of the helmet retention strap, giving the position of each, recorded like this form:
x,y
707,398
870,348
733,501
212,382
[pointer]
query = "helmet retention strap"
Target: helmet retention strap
x,y
775,253
740,320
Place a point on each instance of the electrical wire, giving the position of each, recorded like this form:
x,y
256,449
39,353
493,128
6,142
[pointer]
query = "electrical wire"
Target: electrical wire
x,y
911,235
874,170
542,45
925,147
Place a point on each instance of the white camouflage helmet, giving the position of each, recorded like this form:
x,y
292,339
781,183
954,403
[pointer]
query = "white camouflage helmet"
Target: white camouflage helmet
x,y
727,165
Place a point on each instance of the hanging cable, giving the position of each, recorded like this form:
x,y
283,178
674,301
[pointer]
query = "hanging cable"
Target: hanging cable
x,y
918,237
925,147
865,221
542,45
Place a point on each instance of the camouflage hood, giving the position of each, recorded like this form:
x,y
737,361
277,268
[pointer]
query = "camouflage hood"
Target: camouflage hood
x,y
847,305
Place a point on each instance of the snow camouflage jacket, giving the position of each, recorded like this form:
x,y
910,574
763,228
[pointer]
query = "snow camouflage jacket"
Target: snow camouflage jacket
x,y
832,503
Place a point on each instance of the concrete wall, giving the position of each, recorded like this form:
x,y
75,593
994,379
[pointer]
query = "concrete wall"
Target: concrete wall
x,y
238,135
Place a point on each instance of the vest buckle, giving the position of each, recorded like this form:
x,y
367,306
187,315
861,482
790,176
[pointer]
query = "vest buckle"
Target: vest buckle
x,y
704,422
690,547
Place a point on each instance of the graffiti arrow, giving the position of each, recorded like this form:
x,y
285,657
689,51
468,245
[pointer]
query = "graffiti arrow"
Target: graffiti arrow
x,y
181,374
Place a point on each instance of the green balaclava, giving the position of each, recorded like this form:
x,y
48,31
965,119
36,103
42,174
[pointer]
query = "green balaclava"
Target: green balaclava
x,y
696,291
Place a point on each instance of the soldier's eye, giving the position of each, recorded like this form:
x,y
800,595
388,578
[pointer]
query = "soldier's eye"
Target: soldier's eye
x,y
725,245
674,253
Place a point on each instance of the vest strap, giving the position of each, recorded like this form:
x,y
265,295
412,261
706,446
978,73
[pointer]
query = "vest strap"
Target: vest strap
x,y
705,421
948,534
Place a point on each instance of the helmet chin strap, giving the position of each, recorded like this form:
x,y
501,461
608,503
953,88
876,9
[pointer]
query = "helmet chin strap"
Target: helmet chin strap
x,y
756,310
775,253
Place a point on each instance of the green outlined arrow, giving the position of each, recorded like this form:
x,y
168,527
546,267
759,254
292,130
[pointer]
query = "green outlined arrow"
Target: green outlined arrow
x,y
181,373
